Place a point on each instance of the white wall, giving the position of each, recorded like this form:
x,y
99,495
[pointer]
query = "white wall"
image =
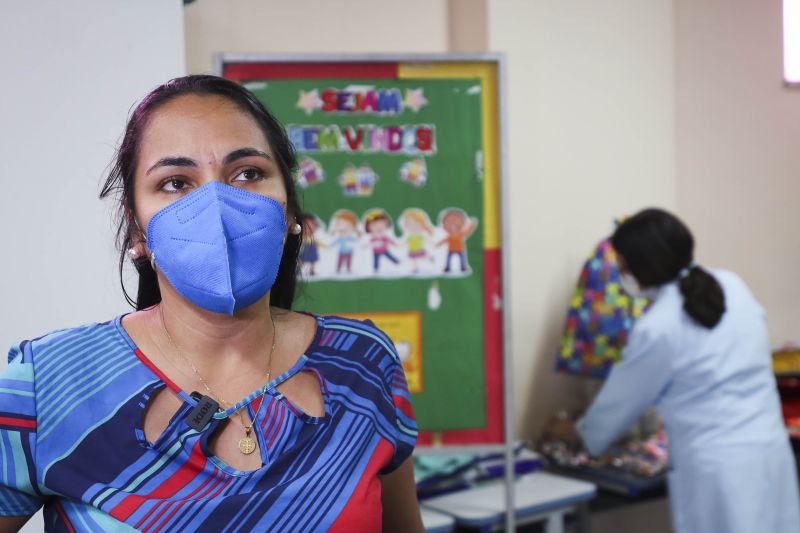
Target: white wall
x,y
312,26
590,138
591,127
70,73
738,158
613,105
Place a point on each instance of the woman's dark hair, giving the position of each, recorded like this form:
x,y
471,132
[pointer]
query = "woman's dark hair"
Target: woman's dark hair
x,y
120,180
658,248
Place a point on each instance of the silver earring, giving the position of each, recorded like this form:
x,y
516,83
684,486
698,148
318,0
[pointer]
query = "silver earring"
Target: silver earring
x,y
153,261
297,229
133,253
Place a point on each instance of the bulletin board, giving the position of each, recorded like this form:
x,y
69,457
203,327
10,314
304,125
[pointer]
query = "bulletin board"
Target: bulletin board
x,y
399,173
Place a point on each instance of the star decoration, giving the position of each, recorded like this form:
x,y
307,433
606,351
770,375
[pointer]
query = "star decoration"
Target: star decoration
x,y
414,99
309,101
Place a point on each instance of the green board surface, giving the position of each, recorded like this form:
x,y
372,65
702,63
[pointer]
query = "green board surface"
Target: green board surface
x,y
450,305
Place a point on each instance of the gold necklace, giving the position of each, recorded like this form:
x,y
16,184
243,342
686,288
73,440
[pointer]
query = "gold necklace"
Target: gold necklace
x,y
246,444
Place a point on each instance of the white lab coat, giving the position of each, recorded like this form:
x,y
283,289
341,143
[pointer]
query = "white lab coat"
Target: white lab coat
x,y
732,468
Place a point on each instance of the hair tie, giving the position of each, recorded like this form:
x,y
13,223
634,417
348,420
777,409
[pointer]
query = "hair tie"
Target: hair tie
x,y
685,271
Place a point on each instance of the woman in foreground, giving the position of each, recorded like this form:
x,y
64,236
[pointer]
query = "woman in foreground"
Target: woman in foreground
x,y
213,407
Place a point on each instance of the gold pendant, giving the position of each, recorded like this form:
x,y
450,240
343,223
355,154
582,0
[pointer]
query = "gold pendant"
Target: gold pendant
x,y
247,445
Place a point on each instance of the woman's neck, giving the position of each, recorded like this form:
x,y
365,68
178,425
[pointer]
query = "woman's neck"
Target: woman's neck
x,y
211,340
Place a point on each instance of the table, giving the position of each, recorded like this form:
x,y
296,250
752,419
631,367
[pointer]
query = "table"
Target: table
x,y
614,480
537,497
436,522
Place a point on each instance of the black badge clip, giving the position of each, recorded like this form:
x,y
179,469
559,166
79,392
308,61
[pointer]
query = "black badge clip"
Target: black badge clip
x,y
202,413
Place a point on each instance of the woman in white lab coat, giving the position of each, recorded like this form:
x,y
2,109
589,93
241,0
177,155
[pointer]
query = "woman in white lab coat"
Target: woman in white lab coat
x,y
701,355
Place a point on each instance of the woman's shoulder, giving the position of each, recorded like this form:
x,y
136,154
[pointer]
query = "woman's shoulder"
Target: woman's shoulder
x,y
738,295
353,336
728,279
666,313
663,316
69,342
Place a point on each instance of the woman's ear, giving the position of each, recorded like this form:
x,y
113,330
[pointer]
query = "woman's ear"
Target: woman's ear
x,y
293,223
137,238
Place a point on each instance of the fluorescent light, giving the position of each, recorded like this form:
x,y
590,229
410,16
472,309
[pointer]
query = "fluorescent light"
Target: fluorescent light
x,y
791,41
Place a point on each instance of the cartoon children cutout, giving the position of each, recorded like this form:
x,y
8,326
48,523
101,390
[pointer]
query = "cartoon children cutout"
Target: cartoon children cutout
x,y
309,252
379,226
417,227
344,227
459,227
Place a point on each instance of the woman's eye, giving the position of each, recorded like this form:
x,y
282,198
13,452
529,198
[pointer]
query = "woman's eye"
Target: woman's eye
x,y
248,174
173,185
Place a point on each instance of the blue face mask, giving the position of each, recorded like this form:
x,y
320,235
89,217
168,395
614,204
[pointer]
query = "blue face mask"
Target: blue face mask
x,y
219,246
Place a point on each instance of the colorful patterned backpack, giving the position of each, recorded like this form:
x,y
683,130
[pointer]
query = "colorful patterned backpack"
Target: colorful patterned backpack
x,y
599,319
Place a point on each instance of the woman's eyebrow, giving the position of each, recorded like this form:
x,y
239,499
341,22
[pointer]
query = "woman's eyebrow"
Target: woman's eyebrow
x,y
178,161
245,152
172,161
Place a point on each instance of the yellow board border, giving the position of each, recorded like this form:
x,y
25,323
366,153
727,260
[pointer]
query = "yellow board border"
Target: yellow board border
x,y
487,73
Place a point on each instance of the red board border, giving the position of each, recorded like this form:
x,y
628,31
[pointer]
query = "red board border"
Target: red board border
x,y
493,432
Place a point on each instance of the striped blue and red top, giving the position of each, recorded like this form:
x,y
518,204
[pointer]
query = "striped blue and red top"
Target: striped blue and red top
x,y
71,439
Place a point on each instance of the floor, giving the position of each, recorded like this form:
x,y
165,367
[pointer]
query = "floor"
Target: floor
x,y
648,516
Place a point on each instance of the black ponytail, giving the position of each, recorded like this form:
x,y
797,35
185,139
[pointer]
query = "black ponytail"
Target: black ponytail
x,y
658,248
703,298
